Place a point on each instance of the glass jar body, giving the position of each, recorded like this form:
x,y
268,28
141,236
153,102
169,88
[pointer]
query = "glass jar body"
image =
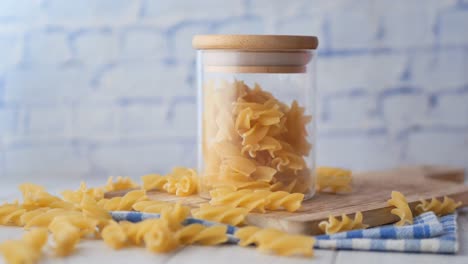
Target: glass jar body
x,y
256,120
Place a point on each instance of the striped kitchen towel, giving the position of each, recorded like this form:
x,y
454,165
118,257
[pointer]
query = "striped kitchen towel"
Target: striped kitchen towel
x,y
428,234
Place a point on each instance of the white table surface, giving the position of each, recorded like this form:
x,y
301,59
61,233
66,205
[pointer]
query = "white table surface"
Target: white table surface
x,y
95,251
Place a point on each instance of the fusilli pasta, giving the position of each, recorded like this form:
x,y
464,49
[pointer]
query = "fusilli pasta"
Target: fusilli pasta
x,y
114,235
276,241
65,235
153,182
252,201
76,196
155,233
28,250
181,182
222,214
333,179
125,202
121,183
199,234
402,209
250,136
35,196
10,214
91,209
175,216
334,225
280,199
44,218
152,206
160,239
448,206
257,199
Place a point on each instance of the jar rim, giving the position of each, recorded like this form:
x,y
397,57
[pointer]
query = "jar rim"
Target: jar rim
x,y
254,42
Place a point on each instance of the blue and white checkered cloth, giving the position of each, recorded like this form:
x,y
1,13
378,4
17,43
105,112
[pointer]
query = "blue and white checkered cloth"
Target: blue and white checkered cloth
x,y
428,234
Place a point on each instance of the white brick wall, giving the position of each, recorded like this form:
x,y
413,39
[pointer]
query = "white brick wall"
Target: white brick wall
x,y
46,47
46,84
94,88
96,47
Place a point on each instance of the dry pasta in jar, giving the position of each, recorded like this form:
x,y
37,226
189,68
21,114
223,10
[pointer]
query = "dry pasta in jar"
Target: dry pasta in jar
x,y
256,96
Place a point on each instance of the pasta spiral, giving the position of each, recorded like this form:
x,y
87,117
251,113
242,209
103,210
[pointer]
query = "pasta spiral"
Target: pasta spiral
x,y
276,241
160,239
402,209
257,199
42,218
153,182
281,199
125,202
76,196
333,179
35,196
250,136
152,206
10,214
334,225
114,235
181,182
175,216
448,206
87,226
28,250
154,233
121,183
222,214
65,235
91,209
199,234
242,198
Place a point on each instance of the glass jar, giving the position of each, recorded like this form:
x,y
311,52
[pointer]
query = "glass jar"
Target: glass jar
x,y
256,106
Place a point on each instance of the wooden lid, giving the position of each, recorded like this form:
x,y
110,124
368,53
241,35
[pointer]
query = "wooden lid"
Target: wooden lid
x,y
255,42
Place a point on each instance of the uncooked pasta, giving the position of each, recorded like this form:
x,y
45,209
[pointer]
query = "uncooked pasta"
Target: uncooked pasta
x,y
250,137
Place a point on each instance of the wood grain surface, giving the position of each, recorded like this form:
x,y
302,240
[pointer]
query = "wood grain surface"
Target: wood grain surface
x,y
371,190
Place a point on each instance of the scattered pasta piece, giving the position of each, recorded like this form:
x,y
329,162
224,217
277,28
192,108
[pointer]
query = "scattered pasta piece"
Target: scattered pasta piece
x,y
181,182
86,225
76,196
175,216
121,183
199,234
333,179
114,235
281,199
28,250
123,203
91,209
136,231
153,182
252,201
43,219
402,209
448,206
222,214
10,214
275,241
334,225
258,200
65,235
152,206
160,239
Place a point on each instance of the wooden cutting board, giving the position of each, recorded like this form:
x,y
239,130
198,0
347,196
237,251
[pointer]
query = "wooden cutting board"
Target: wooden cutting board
x,y
371,190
